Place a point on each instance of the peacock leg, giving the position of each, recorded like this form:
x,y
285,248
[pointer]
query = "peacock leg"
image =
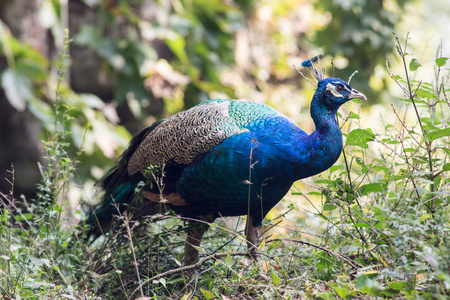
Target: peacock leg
x,y
196,230
252,233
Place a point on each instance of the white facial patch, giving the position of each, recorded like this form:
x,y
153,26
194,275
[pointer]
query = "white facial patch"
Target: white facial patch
x,y
332,88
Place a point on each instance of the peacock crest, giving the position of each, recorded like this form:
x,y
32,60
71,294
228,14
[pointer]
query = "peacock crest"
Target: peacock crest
x,y
315,67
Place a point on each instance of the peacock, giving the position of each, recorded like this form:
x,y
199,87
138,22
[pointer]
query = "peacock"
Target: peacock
x,y
223,158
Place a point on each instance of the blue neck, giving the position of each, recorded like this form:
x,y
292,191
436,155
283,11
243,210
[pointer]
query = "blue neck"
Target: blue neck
x,y
318,151
322,116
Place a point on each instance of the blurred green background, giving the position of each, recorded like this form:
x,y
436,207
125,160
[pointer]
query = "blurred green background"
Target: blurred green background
x,y
134,62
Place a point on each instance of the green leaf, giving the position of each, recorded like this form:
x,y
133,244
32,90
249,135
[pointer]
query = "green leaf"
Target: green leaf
x,y
42,111
360,161
108,49
424,180
177,44
414,64
423,93
446,167
325,296
398,285
368,286
262,244
17,89
361,225
382,169
335,167
424,217
314,193
187,296
438,134
208,295
446,150
273,245
275,278
360,137
372,188
328,206
88,35
341,291
47,15
228,259
26,216
441,61
163,281
390,292
410,150
352,115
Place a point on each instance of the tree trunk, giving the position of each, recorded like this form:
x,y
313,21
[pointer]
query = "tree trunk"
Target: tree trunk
x,y
20,145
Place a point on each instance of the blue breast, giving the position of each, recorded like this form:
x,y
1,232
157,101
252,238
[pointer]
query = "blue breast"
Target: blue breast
x,y
250,171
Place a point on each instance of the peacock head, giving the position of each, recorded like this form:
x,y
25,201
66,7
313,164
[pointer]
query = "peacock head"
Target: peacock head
x,y
331,92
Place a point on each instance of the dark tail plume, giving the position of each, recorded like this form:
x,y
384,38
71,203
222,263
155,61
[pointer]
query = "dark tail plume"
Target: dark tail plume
x,y
118,189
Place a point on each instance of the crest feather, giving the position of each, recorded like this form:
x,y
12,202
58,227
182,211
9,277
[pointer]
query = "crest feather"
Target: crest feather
x,y
314,66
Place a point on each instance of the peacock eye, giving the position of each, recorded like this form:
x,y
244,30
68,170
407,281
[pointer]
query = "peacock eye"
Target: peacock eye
x,y
339,88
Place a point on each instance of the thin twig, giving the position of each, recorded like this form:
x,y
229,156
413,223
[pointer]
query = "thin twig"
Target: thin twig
x,y
406,128
391,74
187,268
130,239
350,261
356,199
271,226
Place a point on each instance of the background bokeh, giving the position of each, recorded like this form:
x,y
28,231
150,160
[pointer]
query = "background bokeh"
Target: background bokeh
x,y
133,62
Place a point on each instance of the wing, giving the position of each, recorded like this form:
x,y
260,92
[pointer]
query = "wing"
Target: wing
x,y
184,136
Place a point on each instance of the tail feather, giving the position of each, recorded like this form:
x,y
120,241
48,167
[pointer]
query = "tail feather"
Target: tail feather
x,y
118,191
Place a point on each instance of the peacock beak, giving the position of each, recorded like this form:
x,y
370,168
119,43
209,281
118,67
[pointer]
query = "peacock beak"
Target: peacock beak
x,y
356,95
